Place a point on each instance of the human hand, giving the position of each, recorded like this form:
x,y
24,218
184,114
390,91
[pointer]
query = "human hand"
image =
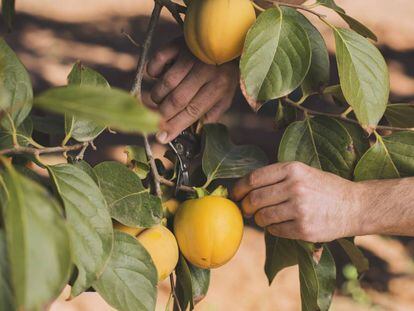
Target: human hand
x,y
295,201
188,89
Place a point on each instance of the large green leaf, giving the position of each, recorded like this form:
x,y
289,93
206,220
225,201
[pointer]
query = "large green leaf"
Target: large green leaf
x,y
276,57
363,75
320,142
129,280
377,163
37,242
23,134
106,107
280,253
89,220
83,129
352,22
6,291
360,138
48,124
15,79
223,159
317,279
318,74
357,258
400,146
400,115
7,11
129,202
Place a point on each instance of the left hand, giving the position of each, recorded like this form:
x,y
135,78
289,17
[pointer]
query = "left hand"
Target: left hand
x,y
295,201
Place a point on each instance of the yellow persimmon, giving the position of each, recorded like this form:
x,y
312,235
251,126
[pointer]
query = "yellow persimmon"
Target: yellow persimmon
x,y
129,230
162,246
208,230
215,29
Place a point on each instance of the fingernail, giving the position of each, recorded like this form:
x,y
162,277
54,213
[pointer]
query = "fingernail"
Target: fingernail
x,y
162,137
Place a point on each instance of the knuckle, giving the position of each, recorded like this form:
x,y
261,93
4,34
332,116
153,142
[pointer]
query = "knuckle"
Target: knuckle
x,y
168,82
295,168
252,179
159,57
193,111
298,189
176,100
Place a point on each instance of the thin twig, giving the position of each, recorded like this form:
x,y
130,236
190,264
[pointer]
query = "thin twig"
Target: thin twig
x,y
174,10
81,153
297,6
37,151
136,87
128,36
156,176
342,117
170,183
176,302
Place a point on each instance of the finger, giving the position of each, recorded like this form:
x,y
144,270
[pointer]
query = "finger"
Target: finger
x,y
261,177
199,105
217,111
173,77
274,215
161,58
285,230
181,96
263,197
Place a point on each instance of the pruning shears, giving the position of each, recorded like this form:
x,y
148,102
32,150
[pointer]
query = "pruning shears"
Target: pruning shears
x,y
185,147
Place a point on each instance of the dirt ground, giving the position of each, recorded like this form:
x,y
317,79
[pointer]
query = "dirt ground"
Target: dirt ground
x,y
49,36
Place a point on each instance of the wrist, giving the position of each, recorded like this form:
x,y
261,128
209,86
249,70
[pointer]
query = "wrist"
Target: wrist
x,y
364,223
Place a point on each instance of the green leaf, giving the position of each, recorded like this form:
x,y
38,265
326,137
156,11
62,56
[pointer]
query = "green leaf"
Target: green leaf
x,y
137,160
276,57
6,291
129,280
8,12
37,242
129,202
363,75
106,107
15,79
400,115
336,92
317,279
352,22
48,124
318,74
359,137
223,159
376,163
280,253
23,134
84,166
400,146
320,142
89,220
83,129
354,253
192,283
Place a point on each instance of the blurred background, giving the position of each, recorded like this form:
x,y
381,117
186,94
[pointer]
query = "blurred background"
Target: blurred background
x,y
49,36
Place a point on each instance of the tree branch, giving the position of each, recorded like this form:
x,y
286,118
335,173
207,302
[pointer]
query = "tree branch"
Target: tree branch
x,y
37,151
170,183
297,6
342,116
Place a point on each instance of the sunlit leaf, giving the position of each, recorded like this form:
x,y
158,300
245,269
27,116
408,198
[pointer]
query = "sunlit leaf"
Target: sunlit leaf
x,y
104,106
276,57
15,79
6,291
137,160
129,280
37,242
79,128
223,159
129,202
89,220
23,135
363,75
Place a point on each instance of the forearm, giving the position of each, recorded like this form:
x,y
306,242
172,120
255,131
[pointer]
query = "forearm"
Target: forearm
x,y
387,207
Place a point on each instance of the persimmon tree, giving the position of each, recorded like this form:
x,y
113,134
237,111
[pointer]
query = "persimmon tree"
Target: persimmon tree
x,y
60,230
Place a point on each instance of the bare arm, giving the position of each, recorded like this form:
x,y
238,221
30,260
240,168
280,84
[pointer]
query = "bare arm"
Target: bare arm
x,y
295,201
